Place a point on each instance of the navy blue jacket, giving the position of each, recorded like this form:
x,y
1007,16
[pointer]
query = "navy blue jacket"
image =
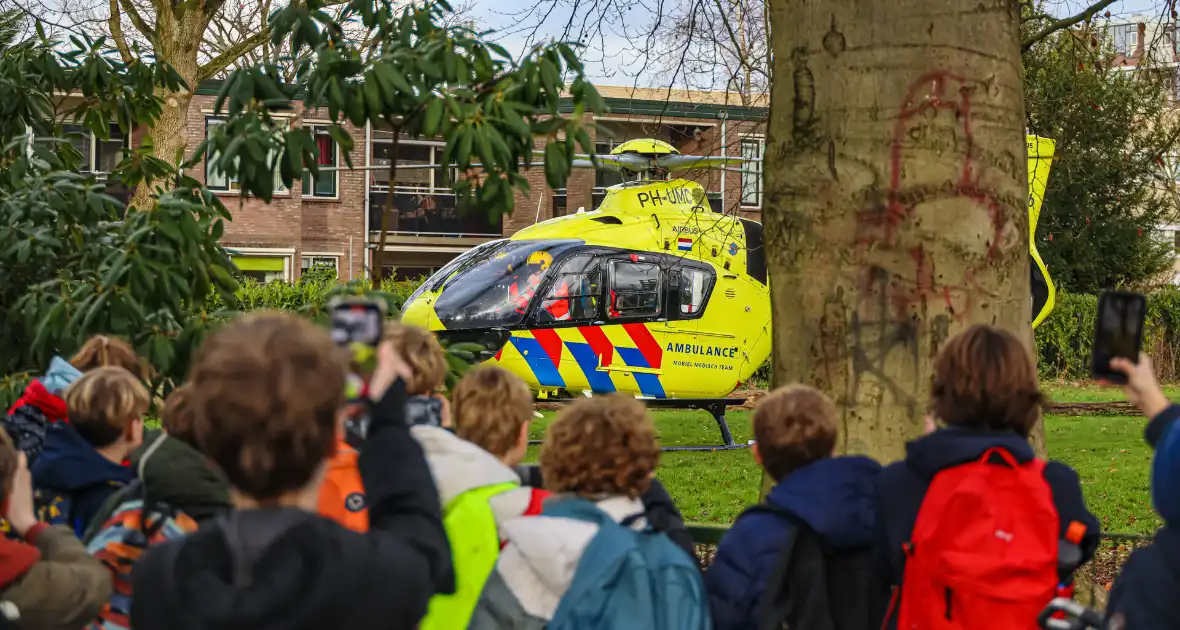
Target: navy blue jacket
x,y
902,486
1146,591
70,465
833,496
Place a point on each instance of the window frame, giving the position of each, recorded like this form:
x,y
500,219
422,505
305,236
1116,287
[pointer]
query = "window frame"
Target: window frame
x,y
287,254
675,288
308,179
233,186
314,256
436,149
91,165
753,169
1121,36
534,316
660,290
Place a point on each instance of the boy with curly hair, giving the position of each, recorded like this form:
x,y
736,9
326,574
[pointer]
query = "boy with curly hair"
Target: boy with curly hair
x,y
598,459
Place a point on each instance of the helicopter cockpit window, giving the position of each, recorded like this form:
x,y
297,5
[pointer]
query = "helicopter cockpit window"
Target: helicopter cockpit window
x,y
495,288
694,290
634,289
573,297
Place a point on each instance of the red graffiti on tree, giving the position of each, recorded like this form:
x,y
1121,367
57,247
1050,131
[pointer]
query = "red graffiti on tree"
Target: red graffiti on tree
x,y
877,228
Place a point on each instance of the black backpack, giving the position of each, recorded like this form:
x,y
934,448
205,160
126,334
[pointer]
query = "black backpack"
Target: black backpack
x,y
815,587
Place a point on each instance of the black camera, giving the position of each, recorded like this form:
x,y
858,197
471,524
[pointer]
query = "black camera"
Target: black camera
x,y
425,410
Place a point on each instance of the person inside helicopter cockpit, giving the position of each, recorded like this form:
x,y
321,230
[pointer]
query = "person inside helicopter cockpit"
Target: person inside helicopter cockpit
x,y
526,281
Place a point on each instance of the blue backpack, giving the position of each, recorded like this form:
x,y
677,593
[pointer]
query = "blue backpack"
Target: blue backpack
x,y
628,579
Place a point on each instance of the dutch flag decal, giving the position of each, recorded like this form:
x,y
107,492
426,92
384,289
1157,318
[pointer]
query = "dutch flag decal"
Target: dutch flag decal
x,y
684,244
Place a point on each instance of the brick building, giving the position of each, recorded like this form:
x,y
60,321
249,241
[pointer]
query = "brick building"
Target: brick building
x,y
336,221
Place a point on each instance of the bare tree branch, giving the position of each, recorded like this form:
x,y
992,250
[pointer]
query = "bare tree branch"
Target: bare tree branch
x,y
233,53
115,23
1065,23
137,20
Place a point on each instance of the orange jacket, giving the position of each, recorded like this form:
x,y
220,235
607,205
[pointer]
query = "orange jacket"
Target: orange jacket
x,y
342,497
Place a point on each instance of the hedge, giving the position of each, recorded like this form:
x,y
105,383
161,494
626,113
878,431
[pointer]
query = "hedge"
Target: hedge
x,y
1065,337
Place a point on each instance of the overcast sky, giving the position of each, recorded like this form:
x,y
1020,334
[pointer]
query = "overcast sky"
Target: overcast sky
x,y
613,59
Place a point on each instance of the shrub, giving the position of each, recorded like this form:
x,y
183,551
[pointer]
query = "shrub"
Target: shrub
x,y
1064,339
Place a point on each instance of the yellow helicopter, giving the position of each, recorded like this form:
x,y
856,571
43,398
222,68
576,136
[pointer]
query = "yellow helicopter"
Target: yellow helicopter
x,y
650,294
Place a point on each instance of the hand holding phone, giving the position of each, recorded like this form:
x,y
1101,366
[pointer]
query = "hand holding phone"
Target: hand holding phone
x,y
1118,333
1142,387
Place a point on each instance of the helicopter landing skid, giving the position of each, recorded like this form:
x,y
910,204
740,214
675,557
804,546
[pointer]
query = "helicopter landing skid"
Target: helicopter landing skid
x,y
715,406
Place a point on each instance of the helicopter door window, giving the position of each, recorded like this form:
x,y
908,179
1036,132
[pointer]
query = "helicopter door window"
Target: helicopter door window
x,y
694,291
634,289
573,296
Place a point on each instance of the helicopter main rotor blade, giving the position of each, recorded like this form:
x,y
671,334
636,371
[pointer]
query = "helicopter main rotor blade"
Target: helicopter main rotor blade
x,y
681,162
622,162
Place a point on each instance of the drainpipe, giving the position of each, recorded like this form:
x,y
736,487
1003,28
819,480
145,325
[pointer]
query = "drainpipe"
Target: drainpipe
x,y
365,264
724,116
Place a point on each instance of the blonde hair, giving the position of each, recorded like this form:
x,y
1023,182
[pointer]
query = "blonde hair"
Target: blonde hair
x,y
104,402
420,349
793,427
101,350
600,445
490,406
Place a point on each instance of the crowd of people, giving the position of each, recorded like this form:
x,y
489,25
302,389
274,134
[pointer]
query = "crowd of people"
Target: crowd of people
x,y
267,499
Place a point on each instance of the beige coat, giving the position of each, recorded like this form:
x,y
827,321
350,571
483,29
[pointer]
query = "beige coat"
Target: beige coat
x,y
64,590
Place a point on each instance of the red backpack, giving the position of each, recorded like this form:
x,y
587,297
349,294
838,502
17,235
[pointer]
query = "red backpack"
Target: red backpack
x,y
983,553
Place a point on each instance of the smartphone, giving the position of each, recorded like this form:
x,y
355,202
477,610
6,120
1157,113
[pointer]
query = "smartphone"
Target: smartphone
x,y
357,321
1118,332
425,410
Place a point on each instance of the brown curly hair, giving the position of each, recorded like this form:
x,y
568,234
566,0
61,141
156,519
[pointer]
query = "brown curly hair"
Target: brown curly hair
x,y
984,378
101,350
600,445
420,349
176,416
490,405
793,427
266,391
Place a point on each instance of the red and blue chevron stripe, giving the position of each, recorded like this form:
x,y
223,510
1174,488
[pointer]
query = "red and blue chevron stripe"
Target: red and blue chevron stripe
x,y
542,353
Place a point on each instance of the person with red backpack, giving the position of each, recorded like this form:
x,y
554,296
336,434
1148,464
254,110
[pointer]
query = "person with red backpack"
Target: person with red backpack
x,y
973,530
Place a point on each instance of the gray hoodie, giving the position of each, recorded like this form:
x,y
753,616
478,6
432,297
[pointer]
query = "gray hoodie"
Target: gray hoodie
x,y
458,466
537,566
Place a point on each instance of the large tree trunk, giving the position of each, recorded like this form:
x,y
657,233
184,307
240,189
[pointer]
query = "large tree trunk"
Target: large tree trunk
x,y
180,40
896,191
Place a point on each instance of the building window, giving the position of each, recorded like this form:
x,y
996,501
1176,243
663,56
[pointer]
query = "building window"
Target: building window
x,y
751,171
316,263
1125,38
98,156
218,181
420,165
262,268
560,203
634,289
325,185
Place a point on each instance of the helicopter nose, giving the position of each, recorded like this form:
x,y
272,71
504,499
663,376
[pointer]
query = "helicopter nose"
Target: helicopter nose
x,y
418,312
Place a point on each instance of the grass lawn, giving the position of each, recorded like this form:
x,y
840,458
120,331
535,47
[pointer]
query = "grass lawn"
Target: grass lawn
x,y
1108,452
